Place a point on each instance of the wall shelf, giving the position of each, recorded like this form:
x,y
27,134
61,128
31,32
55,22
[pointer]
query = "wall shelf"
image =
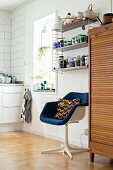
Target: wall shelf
x,y
61,51
72,47
70,68
77,24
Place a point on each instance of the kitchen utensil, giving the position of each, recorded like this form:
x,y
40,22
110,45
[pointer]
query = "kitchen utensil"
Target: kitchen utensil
x,y
89,12
79,15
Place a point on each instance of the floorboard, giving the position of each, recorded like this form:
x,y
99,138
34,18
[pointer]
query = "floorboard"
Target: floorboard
x,y
22,151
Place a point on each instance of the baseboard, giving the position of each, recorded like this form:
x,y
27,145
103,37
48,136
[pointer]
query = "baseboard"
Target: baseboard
x,y
55,137
9,127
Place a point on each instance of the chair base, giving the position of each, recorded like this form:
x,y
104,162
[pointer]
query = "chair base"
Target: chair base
x,y
65,149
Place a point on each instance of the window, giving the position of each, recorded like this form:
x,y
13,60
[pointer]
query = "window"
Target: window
x,y
43,76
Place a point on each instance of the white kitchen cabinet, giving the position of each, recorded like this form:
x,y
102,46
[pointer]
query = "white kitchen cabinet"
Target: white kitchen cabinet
x,y
12,99
1,115
10,103
12,89
1,100
1,89
11,114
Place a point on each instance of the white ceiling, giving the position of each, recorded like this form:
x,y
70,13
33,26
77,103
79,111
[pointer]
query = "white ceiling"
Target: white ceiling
x,y
9,5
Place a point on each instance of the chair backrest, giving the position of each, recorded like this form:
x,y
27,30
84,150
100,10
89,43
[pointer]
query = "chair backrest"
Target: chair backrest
x,y
82,96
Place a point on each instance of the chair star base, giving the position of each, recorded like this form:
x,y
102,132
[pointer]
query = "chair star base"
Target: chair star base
x,y
65,148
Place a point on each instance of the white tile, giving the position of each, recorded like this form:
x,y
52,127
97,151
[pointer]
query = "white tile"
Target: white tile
x,y
2,21
12,49
22,39
20,77
13,27
7,63
15,63
7,49
7,70
21,31
21,46
12,56
11,70
22,69
1,49
1,69
7,35
7,28
20,25
7,56
12,63
13,20
1,34
2,62
22,62
16,41
7,21
7,42
16,33
16,70
1,41
2,28
1,56
13,34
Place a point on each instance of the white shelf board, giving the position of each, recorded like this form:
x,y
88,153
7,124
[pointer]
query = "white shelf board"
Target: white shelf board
x,y
71,68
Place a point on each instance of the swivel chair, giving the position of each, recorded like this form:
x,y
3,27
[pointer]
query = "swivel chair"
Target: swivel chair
x,y
76,113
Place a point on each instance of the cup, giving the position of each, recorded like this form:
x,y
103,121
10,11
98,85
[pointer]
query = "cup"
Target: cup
x,y
79,15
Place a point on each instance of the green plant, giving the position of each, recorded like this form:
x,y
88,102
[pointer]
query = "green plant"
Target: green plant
x,y
37,78
40,76
42,50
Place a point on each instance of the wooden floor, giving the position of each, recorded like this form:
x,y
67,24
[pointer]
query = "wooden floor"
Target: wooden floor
x,y
22,151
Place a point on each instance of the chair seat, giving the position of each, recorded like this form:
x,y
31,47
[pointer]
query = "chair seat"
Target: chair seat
x,y
52,121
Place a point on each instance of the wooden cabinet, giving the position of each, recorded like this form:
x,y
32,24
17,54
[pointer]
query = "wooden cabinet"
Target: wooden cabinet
x,y
101,91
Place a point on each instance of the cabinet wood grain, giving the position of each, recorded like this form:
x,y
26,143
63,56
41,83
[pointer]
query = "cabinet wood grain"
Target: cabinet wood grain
x,y
101,91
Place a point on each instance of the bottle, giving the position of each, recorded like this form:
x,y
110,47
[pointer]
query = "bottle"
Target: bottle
x,y
68,20
45,85
13,79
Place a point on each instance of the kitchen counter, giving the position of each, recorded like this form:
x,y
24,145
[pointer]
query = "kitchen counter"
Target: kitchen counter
x,y
11,84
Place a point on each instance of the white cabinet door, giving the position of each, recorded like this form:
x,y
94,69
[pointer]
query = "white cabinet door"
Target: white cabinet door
x,y
12,89
1,114
1,99
12,100
11,115
1,88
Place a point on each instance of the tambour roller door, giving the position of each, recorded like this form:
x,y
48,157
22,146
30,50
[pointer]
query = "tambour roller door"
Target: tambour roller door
x,y
101,73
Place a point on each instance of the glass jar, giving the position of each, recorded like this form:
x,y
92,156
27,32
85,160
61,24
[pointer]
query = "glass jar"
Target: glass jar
x,y
78,60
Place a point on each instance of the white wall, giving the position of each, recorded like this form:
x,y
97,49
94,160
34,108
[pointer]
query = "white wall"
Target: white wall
x,y
5,42
70,81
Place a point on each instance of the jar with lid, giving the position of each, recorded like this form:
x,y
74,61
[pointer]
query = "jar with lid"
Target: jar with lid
x,y
61,61
71,62
78,60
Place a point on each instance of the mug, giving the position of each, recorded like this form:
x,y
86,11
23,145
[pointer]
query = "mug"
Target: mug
x,y
79,15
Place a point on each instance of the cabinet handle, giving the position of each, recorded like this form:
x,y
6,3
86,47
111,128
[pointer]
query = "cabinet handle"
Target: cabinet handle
x,y
10,106
12,93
